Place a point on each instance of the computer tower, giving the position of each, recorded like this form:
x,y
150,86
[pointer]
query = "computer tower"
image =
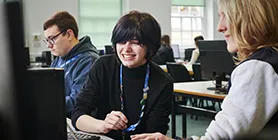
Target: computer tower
x,y
45,116
26,57
109,49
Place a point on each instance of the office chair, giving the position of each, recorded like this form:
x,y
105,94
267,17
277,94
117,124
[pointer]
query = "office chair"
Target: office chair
x,y
197,72
198,77
178,72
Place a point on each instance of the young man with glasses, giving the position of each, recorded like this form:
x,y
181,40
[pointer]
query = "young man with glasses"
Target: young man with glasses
x,y
75,56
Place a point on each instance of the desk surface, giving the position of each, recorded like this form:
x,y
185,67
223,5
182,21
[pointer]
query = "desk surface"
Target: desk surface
x,y
188,67
198,88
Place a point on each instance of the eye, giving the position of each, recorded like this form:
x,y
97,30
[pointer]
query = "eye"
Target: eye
x,y
121,43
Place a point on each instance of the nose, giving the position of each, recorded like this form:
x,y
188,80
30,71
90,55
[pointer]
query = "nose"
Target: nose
x,y
128,46
128,43
49,45
221,27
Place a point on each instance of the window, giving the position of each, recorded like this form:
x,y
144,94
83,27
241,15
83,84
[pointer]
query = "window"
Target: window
x,y
97,19
186,23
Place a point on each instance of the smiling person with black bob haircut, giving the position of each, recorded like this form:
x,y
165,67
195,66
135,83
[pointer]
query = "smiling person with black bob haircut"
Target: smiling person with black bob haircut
x,y
126,93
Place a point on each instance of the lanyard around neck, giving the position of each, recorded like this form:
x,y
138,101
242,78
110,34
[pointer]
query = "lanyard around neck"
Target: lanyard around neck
x,y
62,65
142,102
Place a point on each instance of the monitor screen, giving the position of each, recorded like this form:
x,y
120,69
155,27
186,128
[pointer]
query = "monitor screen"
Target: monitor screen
x,y
176,50
216,61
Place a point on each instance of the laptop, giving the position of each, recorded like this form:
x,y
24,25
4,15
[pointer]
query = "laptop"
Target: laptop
x,y
78,135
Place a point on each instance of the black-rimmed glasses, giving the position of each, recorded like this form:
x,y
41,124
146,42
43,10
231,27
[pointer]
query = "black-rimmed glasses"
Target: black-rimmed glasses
x,y
51,41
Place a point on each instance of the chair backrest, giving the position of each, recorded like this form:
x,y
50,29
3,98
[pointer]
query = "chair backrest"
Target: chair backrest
x,y
178,72
197,72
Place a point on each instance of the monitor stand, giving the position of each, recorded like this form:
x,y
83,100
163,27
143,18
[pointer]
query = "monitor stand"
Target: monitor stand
x,y
218,86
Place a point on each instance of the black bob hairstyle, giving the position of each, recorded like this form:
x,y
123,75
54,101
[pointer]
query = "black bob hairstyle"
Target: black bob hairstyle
x,y
138,26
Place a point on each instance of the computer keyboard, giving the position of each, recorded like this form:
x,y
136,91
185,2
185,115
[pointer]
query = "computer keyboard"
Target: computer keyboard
x,y
81,136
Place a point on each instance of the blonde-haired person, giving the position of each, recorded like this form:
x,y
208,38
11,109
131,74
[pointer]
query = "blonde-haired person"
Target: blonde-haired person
x,y
250,108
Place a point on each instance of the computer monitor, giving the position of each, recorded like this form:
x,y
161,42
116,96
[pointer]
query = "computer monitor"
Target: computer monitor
x,y
9,120
176,51
216,61
109,49
45,111
28,103
100,52
188,54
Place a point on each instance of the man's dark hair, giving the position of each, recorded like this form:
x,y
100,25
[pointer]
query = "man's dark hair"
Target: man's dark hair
x,y
64,21
198,38
138,26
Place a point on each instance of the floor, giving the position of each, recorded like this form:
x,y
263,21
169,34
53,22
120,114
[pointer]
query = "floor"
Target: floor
x,y
194,127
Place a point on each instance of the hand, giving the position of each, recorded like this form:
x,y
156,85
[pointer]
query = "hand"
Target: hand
x,y
115,120
150,136
185,62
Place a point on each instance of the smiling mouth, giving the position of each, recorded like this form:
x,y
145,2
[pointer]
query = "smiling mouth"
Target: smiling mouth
x,y
128,56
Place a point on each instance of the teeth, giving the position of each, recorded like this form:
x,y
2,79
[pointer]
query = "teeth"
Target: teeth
x,y
128,56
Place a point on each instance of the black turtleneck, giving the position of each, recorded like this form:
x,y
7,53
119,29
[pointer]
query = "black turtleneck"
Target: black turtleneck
x,y
101,95
133,82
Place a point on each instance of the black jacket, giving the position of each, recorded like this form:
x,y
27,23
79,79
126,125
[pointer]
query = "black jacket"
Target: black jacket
x,y
164,55
101,94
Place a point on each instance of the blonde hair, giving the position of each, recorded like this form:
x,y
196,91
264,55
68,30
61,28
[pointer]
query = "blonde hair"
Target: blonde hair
x,y
253,24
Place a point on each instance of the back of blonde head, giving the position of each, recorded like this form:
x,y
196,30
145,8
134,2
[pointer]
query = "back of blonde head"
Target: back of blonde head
x,y
253,23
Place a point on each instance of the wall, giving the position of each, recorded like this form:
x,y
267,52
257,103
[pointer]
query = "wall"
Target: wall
x,y
161,10
36,12
211,21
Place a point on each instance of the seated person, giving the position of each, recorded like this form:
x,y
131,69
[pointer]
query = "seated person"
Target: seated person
x,y
75,56
165,53
126,93
196,52
250,111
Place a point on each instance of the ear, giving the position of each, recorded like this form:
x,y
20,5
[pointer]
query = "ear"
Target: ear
x,y
70,34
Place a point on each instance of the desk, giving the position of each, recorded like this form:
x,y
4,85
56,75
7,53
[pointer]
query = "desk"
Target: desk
x,y
188,67
196,90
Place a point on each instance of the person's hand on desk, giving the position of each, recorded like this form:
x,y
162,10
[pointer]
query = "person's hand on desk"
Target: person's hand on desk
x,y
183,62
158,136
150,136
115,120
